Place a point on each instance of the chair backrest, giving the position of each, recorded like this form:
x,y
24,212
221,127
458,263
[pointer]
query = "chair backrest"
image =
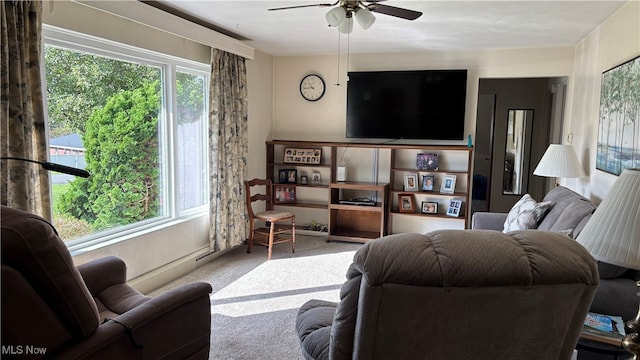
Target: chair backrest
x,y
465,294
261,189
44,299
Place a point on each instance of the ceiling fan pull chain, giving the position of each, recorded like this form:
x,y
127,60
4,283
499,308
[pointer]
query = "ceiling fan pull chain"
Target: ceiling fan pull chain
x,y
348,55
338,77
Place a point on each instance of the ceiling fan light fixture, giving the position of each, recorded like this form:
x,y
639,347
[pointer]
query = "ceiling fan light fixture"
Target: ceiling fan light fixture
x,y
364,17
346,26
336,16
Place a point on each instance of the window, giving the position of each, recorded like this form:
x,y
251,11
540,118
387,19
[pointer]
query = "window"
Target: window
x,y
137,121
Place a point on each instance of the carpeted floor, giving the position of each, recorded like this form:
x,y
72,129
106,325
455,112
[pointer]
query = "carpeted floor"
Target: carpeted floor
x,y
255,301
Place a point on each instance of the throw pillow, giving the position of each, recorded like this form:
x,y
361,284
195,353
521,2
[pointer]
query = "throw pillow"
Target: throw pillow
x,y
526,214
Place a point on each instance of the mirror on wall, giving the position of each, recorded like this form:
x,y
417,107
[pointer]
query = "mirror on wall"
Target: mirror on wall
x,y
516,151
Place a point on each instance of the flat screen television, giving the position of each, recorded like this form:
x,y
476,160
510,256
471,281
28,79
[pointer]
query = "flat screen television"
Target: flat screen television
x,y
416,104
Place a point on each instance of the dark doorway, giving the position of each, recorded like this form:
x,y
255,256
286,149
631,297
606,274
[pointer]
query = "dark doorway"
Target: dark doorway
x,y
504,161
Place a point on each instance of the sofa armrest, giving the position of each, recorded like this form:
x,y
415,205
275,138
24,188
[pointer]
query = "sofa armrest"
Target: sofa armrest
x,y
103,273
173,325
488,221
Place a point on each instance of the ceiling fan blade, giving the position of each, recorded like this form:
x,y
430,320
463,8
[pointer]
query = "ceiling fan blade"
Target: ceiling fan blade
x,y
302,6
394,11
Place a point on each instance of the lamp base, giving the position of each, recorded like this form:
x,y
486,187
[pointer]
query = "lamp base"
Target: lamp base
x,y
631,343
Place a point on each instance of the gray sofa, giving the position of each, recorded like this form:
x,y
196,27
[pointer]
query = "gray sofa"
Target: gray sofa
x,y
456,294
616,294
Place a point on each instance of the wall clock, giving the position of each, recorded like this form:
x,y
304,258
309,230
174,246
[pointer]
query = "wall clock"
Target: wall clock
x,y
312,87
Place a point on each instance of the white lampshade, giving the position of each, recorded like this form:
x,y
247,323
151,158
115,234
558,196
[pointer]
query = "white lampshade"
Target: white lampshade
x,y
365,18
612,235
346,26
336,16
559,161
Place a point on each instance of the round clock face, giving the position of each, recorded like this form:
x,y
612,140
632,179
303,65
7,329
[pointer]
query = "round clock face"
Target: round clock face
x,y
312,87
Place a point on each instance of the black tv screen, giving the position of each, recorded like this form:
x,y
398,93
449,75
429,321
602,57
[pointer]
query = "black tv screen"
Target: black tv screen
x,y
417,104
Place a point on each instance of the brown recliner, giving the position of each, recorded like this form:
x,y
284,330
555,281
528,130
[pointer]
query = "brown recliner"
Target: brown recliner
x,y
456,294
89,312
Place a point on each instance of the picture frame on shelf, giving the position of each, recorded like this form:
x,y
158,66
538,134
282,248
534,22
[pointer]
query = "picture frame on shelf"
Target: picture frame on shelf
x,y
411,182
284,194
454,208
306,156
427,161
405,203
304,180
427,182
429,207
287,176
448,185
315,178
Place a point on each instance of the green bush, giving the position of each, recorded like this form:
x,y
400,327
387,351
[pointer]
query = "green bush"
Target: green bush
x,y
121,142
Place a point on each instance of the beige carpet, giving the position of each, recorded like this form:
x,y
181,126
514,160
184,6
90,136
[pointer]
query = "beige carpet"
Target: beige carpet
x,y
255,301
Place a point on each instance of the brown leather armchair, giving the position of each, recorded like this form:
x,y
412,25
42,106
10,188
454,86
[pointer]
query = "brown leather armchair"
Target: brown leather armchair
x,y
89,312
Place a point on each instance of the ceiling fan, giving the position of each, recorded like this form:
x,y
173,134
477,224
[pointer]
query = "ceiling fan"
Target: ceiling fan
x,y
341,16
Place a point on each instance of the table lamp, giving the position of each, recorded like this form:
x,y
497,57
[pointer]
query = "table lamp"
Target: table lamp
x,y
559,161
612,235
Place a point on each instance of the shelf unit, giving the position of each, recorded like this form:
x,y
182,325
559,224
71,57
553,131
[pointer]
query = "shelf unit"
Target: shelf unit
x,y
357,223
452,160
361,223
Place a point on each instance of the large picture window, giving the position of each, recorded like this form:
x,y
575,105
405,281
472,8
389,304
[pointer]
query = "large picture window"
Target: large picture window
x,y
134,119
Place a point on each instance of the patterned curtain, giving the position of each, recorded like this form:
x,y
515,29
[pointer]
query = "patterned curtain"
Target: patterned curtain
x,y
228,150
23,134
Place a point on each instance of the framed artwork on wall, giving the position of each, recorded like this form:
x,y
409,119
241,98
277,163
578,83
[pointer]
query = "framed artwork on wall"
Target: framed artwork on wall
x,y
618,144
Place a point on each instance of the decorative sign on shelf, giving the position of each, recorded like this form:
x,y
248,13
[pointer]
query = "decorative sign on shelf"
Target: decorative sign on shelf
x,y
427,161
302,156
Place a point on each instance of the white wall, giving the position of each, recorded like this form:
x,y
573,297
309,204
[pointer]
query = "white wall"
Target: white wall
x,y
616,41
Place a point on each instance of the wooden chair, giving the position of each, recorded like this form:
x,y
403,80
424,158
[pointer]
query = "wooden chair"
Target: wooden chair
x,y
273,233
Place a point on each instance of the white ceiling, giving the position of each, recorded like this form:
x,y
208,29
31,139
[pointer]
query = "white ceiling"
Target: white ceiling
x,y
444,25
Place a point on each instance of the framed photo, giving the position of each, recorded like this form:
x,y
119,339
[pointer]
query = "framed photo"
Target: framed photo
x,y
429,207
411,182
448,184
304,179
302,156
427,182
405,203
616,148
427,161
454,208
287,176
315,178
282,176
284,194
